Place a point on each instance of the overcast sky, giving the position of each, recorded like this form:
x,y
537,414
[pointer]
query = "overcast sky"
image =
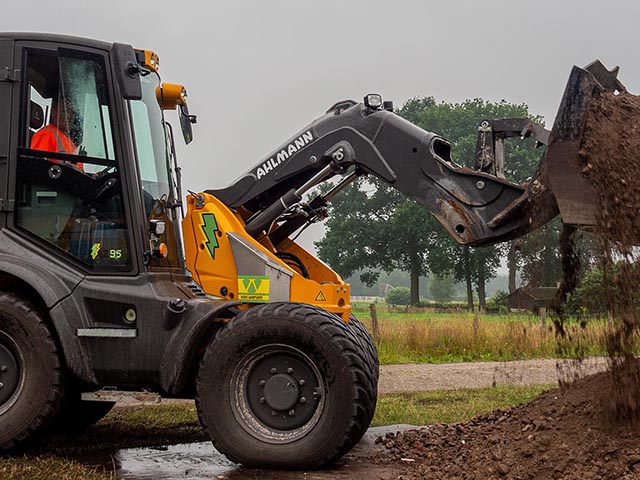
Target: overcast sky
x,y
259,71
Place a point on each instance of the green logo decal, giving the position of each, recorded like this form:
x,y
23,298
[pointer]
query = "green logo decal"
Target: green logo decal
x,y
95,248
209,228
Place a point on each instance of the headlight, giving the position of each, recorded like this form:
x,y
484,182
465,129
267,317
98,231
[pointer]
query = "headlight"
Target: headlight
x,y
373,101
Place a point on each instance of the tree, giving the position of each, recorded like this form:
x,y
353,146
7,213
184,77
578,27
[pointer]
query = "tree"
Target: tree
x,y
441,288
398,296
373,227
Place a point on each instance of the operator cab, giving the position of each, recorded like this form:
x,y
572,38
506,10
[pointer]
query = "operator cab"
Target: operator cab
x,y
83,117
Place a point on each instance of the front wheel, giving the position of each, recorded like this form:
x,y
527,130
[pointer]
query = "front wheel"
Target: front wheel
x,y
31,390
286,385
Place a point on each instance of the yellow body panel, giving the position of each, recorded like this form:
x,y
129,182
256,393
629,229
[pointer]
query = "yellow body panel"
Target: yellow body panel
x,y
211,261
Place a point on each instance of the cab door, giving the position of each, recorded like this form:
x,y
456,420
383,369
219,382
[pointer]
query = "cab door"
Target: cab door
x,y
68,177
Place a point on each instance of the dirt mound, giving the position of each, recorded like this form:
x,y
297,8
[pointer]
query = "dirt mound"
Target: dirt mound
x,y
563,434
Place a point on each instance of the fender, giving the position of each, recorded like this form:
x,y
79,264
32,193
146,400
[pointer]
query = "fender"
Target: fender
x,y
182,348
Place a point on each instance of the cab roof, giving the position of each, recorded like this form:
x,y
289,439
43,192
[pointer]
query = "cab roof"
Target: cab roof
x,y
57,38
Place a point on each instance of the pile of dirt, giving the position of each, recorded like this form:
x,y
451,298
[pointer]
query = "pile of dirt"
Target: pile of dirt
x,y
589,429
564,433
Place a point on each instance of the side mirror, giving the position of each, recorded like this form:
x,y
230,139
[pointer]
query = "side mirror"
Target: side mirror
x,y
127,71
186,122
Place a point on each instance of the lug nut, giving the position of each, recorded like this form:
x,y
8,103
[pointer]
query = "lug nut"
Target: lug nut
x,y
303,399
3,368
1,384
292,413
274,370
262,400
302,383
262,383
289,370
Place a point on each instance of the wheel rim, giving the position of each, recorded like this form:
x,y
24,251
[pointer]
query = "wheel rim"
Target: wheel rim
x,y
11,372
278,393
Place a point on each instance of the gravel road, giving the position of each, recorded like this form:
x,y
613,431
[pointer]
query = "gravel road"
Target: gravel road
x,y
416,377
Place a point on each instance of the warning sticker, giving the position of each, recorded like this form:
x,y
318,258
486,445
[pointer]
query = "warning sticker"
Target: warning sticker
x,y
252,288
320,297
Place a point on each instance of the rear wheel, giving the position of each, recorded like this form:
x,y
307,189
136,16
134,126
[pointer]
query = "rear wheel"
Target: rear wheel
x,y
286,385
30,372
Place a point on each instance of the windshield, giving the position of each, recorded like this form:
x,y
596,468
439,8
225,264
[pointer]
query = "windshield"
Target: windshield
x,y
153,154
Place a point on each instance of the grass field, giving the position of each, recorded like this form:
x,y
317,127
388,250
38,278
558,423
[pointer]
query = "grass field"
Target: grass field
x,y
422,336
88,456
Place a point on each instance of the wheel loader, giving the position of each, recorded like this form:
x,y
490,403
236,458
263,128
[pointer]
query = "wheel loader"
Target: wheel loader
x,y
99,300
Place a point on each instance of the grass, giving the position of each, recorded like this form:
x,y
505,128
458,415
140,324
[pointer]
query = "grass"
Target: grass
x,y
426,408
419,336
88,456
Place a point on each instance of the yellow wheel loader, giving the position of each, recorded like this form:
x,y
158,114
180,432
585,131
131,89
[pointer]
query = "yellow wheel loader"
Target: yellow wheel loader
x,y
97,301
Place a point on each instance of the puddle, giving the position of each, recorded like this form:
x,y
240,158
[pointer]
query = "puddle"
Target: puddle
x,y
199,461
188,460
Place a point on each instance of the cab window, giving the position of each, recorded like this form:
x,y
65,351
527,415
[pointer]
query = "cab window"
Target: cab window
x,y
68,189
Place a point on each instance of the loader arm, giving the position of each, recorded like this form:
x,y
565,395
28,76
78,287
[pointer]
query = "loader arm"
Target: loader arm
x,y
476,206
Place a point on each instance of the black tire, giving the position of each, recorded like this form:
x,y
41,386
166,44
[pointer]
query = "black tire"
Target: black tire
x,y
32,392
311,350
371,368
78,415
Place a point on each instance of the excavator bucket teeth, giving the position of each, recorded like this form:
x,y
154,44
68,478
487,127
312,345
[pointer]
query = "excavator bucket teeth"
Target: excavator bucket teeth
x,y
574,194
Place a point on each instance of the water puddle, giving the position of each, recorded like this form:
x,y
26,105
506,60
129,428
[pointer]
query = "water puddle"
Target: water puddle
x,y
200,461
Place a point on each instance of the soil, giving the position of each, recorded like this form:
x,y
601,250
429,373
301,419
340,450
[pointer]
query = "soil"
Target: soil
x,y
590,428
563,434
610,159
610,155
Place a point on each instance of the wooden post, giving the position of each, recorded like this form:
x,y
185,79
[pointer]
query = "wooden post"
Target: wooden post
x,y
374,322
543,319
476,321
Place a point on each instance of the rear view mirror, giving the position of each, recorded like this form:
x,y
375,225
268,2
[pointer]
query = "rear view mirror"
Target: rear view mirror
x,y
186,122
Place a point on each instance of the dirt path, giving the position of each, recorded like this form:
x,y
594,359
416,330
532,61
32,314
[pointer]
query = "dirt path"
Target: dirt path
x,y
416,377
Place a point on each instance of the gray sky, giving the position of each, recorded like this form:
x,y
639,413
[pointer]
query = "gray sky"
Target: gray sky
x,y
259,71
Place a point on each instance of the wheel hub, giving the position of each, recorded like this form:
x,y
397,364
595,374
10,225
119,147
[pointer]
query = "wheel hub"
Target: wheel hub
x,y
281,392
9,372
